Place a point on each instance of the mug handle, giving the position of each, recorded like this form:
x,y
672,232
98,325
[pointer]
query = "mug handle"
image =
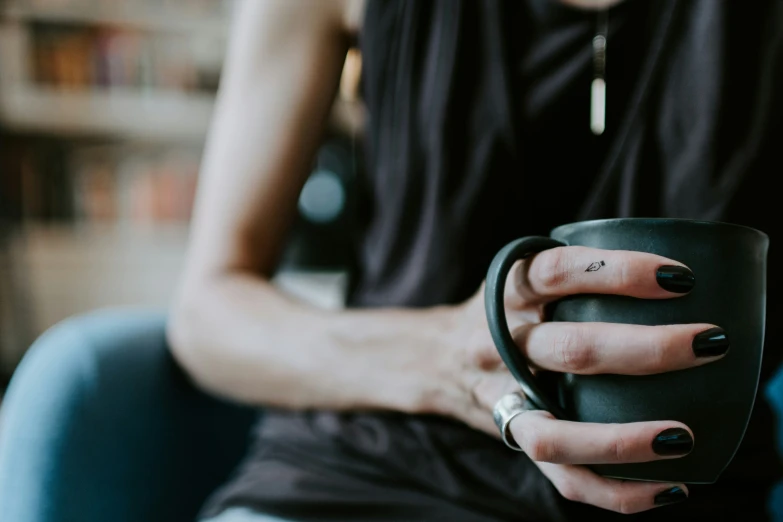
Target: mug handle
x,y
496,317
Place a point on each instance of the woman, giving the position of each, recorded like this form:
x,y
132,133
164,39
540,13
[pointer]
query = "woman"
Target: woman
x,y
481,129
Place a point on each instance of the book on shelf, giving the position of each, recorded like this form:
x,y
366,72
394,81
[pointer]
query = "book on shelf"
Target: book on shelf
x,y
74,56
135,187
45,180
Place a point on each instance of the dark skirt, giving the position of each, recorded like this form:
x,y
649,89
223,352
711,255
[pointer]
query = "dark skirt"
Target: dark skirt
x,y
392,467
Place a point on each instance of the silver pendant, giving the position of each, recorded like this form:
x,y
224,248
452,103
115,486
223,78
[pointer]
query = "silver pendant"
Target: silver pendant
x,y
598,106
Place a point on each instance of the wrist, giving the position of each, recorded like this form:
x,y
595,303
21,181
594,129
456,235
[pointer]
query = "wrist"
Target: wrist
x,y
443,364
405,360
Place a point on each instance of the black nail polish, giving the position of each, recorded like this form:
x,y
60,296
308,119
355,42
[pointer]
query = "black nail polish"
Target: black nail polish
x,y
711,343
670,496
674,441
677,279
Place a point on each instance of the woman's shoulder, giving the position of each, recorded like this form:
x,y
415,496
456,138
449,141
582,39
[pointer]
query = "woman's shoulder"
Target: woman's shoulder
x,y
353,15
326,17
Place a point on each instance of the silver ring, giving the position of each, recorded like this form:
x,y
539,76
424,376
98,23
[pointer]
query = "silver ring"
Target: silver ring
x,y
506,409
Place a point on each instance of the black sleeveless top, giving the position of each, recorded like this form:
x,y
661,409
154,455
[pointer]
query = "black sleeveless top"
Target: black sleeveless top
x,y
479,133
466,128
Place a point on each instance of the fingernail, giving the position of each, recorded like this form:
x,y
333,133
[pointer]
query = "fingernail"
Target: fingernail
x,y
670,496
674,441
711,343
677,279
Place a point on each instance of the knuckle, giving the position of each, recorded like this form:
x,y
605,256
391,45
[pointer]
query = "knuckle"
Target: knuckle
x,y
659,356
520,279
538,447
524,335
620,501
619,449
555,271
569,490
571,351
480,353
625,274
660,351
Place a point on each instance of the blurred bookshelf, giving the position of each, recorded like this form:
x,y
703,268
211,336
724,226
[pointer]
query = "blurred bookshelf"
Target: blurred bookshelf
x,y
143,69
202,17
125,113
104,109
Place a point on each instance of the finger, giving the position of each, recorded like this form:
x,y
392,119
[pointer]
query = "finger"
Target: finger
x,y
593,348
579,484
545,439
581,270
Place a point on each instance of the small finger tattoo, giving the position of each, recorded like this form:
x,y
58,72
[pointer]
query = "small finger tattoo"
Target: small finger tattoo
x,y
595,266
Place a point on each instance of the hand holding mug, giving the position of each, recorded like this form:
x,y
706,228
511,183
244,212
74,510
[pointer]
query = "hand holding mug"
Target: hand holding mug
x,y
617,342
559,447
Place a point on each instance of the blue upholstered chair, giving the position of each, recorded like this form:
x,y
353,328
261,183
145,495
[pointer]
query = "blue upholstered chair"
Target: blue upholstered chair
x,y
100,425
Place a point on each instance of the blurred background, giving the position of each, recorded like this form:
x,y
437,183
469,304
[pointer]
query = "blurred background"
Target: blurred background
x,y
104,109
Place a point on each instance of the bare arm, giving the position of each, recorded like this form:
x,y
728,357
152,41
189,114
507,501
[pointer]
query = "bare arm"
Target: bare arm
x,y
231,330
238,337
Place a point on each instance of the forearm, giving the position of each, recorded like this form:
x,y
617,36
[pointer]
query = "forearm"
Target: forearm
x,y
240,338
231,330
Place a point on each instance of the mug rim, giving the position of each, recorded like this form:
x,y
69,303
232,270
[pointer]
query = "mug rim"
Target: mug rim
x,y
659,220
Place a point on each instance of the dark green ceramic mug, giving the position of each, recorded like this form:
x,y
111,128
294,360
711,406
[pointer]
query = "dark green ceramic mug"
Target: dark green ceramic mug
x,y
714,400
